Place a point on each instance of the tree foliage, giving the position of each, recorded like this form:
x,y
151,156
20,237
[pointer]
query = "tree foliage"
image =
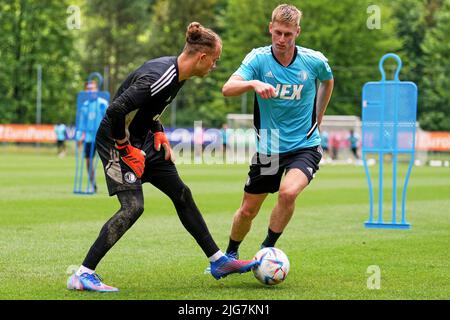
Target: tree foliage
x,y
339,31
35,33
435,113
117,36
167,37
113,38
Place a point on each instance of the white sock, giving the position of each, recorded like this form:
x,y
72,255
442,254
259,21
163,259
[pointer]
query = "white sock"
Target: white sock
x,y
216,256
83,269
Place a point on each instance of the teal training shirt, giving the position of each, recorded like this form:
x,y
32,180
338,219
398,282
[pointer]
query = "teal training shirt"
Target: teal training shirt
x,y
60,130
287,122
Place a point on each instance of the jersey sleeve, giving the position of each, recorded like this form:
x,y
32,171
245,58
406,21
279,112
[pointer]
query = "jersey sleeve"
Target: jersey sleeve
x,y
324,70
249,67
137,95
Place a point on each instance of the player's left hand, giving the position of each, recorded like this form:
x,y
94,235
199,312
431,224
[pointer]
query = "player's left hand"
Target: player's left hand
x,y
160,139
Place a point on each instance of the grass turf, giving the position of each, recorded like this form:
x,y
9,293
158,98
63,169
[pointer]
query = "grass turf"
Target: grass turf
x,y
45,229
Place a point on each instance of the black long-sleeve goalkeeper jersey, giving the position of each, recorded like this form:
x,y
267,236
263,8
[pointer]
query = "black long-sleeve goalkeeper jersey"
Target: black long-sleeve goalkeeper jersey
x,y
142,98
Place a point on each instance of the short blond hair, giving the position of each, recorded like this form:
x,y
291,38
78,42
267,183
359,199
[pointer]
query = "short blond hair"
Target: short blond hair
x,y
286,13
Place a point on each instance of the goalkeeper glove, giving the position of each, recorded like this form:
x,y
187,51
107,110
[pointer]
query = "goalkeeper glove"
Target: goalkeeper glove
x,y
161,139
133,157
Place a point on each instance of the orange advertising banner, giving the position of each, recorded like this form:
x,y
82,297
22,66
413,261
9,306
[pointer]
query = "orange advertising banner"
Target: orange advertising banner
x,y
425,141
27,133
433,141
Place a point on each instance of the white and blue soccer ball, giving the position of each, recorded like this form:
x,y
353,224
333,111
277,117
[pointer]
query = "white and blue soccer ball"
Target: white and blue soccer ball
x,y
273,266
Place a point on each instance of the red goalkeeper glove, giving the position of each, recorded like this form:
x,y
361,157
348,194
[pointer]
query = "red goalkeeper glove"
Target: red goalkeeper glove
x,y
161,139
133,157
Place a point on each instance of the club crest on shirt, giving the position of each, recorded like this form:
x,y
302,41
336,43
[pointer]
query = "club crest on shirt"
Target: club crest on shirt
x,y
130,177
303,75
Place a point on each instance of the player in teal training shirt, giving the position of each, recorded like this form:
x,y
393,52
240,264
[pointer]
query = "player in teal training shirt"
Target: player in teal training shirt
x,y
288,111
291,111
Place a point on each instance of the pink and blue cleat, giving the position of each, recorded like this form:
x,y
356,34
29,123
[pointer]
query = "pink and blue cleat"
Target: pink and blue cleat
x,y
88,282
226,266
232,255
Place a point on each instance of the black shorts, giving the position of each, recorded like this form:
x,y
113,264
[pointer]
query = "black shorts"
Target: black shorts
x,y
119,177
88,148
266,171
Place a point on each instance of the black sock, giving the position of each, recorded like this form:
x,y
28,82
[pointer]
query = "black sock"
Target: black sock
x,y
233,246
271,238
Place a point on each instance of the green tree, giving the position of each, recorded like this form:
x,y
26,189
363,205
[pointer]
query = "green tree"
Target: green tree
x,y
36,33
113,38
420,28
246,28
411,28
435,113
167,37
339,31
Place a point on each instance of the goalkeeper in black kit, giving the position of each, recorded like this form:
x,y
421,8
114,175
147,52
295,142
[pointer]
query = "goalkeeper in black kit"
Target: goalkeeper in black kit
x,y
134,150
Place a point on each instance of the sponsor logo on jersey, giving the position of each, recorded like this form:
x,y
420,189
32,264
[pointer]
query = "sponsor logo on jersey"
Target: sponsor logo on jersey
x,y
289,91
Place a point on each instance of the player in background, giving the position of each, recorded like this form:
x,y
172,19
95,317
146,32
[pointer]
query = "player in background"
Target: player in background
x,y
90,115
60,131
132,126
353,139
283,77
324,143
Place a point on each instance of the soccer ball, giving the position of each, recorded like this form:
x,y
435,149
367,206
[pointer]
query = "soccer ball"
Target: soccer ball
x,y
273,266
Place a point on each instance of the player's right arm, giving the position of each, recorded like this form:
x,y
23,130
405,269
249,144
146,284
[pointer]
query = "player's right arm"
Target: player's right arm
x,y
137,95
237,85
246,79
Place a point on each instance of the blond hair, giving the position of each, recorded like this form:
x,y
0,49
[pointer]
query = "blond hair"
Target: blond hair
x,y
199,38
286,13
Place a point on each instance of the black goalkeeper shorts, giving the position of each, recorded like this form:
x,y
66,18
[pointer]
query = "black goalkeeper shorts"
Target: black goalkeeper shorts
x,y
119,177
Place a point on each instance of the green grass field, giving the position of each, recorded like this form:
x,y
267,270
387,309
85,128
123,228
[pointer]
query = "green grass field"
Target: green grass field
x,y
45,229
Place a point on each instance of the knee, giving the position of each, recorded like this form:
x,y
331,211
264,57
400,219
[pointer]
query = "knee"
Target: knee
x,y
287,197
124,219
185,194
248,212
137,208
133,206
183,197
